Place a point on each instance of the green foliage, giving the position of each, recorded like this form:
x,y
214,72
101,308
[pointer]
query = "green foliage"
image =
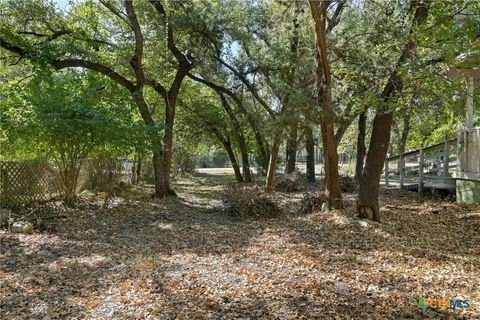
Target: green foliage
x,y
66,117
69,111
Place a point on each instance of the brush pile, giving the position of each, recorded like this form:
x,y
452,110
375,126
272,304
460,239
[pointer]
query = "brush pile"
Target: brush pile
x,y
248,201
311,201
291,182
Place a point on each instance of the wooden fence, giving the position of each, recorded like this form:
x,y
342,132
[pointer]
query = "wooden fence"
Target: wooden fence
x,y
26,182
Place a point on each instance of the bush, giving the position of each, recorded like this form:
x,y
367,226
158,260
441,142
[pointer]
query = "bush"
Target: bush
x,y
311,202
248,201
291,182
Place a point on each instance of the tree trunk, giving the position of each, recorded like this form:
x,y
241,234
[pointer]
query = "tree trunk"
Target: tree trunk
x,y
332,178
310,146
333,192
160,185
138,170
361,148
368,207
272,164
291,150
233,159
162,154
245,165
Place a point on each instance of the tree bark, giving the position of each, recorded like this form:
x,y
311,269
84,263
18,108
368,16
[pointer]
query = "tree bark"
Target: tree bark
x,y
332,178
310,146
233,160
291,150
272,164
138,170
361,148
368,206
159,177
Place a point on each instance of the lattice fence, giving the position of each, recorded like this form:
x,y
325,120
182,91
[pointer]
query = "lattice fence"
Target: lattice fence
x,y
26,182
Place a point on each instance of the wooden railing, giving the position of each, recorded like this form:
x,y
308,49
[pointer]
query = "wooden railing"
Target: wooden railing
x,y
432,161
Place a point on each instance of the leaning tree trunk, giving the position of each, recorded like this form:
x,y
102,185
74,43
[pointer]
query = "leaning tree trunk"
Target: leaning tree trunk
x,y
272,164
368,207
310,146
277,137
361,149
291,150
233,160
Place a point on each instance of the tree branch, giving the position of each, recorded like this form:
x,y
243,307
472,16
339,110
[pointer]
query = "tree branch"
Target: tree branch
x,y
250,87
136,60
170,40
114,10
107,71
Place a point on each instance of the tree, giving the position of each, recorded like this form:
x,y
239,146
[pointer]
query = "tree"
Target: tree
x,y
73,42
368,206
332,178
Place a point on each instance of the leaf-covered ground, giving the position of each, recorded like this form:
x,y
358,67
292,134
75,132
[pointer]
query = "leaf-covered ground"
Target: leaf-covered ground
x,y
144,258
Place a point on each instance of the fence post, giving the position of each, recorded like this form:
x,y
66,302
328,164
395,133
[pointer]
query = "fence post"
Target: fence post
x,y
421,174
402,170
446,155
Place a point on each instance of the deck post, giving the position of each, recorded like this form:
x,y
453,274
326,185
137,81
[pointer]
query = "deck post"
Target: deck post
x,y
438,166
387,180
446,155
421,174
402,170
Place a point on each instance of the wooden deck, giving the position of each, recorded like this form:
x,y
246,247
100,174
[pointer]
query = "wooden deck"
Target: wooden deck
x,y
446,165
429,167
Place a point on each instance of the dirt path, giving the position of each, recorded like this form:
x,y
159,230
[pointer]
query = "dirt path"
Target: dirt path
x,y
182,258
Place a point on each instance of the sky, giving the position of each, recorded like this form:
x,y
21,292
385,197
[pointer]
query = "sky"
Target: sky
x,y
62,4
